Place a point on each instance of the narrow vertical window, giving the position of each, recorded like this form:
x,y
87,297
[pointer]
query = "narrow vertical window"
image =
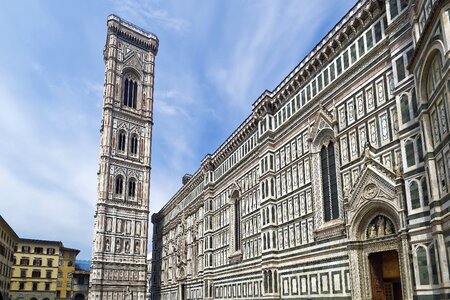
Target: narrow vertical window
x,y
424,278
125,92
329,183
132,188
409,149
414,102
134,145
325,184
333,181
400,66
434,271
419,148
404,107
414,195
237,225
119,185
134,95
393,8
378,32
130,91
424,191
121,143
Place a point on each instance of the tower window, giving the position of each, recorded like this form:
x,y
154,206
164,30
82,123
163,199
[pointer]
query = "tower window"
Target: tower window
x,y
119,185
130,92
122,141
329,183
132,188
134,145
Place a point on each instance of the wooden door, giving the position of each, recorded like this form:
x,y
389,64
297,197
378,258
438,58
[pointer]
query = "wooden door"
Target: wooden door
x,y
376,276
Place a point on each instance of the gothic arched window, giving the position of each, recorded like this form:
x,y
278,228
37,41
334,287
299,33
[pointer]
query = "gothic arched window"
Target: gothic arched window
x,y
130,88
237,225
134,145
423,266
121,141
404,106
329,183
424,191
131,188
433,262
119,185
414,195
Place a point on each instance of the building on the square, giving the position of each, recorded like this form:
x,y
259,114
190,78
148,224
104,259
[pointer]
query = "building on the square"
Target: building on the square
x,y
119,256
81,280
337,183
42,270
8,242
35,270
64,285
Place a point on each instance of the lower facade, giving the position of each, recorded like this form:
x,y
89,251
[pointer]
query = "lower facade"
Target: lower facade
x,y
33,295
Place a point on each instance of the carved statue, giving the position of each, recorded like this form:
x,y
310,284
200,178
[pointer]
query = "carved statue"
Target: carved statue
x,y
372,231
389,229
119,225
107,245
137,247
128,227
381,226
138,228
118,245
127,246
108,224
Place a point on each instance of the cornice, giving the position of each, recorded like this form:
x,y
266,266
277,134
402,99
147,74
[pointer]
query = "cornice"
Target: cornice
x,y
133,34
196,179
356,19
244,131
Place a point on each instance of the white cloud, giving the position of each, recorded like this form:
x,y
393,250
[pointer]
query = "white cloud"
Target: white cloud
x,y
146,12
48,166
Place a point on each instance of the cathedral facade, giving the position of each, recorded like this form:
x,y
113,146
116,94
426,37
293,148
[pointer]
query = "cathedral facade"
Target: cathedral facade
x,y
119,255
337,183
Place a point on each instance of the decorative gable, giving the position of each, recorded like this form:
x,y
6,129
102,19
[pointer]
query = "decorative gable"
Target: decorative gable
x,y
376,191
132,60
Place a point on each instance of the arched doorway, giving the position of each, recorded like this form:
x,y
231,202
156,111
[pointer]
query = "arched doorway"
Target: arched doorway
x,y
384,266
378,240
79,297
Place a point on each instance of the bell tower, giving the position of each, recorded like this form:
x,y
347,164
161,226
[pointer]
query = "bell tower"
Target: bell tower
x,y
118,269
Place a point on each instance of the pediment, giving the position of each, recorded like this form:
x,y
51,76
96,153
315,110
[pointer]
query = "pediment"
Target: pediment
x,y
376,183
132,60
324,122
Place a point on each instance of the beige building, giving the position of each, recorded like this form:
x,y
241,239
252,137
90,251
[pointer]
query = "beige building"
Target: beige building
x,y
43,270
66,269
35,271
8,242
336,186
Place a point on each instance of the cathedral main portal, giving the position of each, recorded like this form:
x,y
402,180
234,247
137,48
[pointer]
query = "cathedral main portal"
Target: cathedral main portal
x,y
385,275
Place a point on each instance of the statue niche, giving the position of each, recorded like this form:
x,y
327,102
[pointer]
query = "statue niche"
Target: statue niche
x,y
379,226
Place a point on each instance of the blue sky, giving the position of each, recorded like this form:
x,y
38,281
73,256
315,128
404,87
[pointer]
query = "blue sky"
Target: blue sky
x,y
215,59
